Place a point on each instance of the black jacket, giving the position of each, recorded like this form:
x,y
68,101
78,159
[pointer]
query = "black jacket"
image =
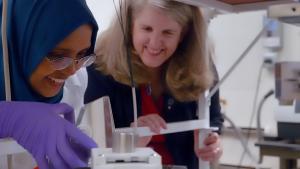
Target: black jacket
x,y
180,145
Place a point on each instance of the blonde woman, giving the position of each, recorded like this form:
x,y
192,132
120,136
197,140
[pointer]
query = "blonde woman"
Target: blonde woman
x,y
166,41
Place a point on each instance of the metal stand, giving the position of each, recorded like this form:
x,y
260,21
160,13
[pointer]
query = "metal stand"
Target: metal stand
x,y
287,152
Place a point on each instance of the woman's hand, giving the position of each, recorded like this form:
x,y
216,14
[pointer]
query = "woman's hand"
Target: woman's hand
x,y
154,122
212,149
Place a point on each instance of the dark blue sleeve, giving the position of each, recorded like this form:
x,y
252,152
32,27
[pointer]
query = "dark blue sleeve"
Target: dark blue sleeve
x,y
99,85
216,117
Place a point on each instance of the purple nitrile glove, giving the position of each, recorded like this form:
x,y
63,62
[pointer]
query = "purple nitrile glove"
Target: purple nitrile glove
x,y
40,129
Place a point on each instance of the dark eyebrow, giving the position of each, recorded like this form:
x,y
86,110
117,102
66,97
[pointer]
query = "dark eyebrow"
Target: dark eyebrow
x,y
60,50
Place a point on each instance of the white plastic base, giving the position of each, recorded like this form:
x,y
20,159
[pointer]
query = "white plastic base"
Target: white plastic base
x,y
142,158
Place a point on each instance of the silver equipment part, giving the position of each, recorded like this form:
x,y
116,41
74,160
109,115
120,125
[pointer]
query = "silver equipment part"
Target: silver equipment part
x,y
5,52
6,66
135,116
80,116
287,82
287,13
123,142
109,121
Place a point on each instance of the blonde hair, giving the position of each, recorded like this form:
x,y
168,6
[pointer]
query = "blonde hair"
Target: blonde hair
x,y
186,74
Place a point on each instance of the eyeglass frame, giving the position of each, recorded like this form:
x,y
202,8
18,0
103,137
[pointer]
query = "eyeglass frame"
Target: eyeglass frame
x,y
90,59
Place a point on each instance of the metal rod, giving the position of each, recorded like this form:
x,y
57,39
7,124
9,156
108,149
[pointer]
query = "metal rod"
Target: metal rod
x,y
5,52
6,63
134,109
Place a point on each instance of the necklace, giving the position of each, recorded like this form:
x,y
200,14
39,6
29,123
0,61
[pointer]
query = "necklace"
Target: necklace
x,y
149,89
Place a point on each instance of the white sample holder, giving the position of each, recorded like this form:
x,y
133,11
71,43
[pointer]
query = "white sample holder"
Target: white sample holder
x,y
141,158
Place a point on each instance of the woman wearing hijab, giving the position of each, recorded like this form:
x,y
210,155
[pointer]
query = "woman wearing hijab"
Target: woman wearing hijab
x,y
48,41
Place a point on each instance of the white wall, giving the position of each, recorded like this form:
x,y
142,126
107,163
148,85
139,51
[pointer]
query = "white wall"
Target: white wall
x,y
232,34
103,11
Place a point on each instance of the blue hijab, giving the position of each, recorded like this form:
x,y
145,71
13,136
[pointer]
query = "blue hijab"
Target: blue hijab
x,y
35,27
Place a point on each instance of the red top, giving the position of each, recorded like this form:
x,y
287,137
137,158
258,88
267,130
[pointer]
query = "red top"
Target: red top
x,y
158,141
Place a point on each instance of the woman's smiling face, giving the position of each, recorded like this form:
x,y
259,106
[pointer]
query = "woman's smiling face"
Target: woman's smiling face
x,y
156,36
48,81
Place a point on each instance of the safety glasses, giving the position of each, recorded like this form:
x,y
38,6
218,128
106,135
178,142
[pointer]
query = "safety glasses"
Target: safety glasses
x,y
62,62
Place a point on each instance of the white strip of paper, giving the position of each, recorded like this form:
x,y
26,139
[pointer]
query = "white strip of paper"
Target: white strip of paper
x,y
174,127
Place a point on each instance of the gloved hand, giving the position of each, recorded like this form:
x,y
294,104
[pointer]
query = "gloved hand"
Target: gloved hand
x,y
40,129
